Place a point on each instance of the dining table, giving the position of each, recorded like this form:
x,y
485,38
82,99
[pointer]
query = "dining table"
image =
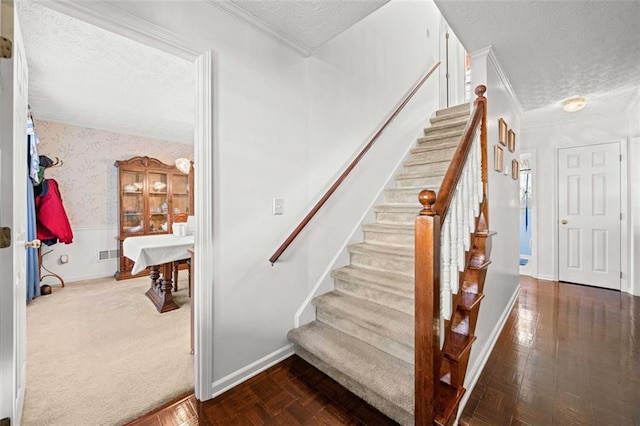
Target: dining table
x,y
158,252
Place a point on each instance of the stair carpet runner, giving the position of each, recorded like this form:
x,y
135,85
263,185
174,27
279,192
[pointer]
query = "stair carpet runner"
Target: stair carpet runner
x,y
363,335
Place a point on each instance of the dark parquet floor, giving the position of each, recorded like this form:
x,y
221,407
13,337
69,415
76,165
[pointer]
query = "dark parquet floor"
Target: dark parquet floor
x,y
568,355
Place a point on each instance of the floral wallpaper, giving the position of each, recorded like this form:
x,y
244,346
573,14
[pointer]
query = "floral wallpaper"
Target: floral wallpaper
x,y
88,179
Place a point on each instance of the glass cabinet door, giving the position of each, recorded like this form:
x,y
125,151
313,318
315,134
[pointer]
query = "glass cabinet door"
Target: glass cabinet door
x,y
132,210
158,202
180,194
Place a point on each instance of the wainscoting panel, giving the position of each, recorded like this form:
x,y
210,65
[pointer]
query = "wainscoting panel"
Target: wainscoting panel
x,y
84,255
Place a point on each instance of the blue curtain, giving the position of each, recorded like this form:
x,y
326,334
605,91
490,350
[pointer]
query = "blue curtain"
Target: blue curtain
x,y
33,269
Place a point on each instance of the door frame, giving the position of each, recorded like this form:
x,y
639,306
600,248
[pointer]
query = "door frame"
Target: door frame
x,y
533,261
625,283
106,16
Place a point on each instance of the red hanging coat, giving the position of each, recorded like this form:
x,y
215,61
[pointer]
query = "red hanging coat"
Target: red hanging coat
x,y
51,218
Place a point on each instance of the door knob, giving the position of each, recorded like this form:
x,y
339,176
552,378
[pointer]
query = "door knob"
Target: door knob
x,y
564,221
33,244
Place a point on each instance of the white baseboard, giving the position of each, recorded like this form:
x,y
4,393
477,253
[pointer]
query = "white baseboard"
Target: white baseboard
x,y
545,277
245,373
475,371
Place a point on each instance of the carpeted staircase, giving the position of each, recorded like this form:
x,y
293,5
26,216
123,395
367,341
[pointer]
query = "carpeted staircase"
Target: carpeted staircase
x,y
363,335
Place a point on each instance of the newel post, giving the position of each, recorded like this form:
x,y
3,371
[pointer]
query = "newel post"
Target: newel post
x,y
427,306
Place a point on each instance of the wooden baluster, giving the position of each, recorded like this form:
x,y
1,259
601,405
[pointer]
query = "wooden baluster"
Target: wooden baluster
x,y
465,203
460,244
455,252
446,262
475,164
427,306
471,217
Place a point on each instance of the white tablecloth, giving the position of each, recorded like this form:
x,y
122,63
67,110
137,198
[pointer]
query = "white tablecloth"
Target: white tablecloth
x,y
149,250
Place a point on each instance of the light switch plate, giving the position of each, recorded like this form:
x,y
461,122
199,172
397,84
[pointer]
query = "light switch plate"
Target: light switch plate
x,y
278,206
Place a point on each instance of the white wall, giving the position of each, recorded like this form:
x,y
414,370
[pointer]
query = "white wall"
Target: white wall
x,y
260,133
501,286
357,79
355,82
84,263
634,195
284,126
547,139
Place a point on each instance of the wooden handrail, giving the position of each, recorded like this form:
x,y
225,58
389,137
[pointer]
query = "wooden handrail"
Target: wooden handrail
x,y
349,168
451,178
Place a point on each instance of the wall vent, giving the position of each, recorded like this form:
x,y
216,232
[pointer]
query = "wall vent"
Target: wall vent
x,y
108,254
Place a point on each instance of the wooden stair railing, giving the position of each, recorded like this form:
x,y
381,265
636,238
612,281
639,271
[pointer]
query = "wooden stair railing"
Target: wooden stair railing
x,y
452,251
276,255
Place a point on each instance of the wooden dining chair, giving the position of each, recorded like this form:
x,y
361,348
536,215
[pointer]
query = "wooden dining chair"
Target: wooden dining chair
x,y
178,218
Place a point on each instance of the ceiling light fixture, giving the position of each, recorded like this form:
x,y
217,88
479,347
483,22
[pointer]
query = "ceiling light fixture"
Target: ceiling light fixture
x,y
575,104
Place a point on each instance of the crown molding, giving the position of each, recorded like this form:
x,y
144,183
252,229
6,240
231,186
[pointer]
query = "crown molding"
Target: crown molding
x,y
490,55
109,17
257,24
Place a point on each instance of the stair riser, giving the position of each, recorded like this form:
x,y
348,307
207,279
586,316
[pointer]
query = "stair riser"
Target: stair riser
x,y
425,182
399,264
453,110
376,340
445,119
439,142
395,217
444,128
374,294
439,167
445,154
405,196
395,238
388,408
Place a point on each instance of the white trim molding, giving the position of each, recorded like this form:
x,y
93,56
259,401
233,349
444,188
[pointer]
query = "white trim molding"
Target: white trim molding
x,y
206,261
245,373
257,24
488,53
109,17
475,370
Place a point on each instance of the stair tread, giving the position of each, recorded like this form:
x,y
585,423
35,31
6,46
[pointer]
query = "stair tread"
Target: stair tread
x,y
418,175
401,284
439,118
485,234
457,344
380,319
453,122
469,300
397,207
404,228
412,189
394,250
447,400
425,161
386,375
444,135
454,109
478,264
434,147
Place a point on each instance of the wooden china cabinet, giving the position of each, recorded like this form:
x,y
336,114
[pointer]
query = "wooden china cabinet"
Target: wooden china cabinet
x,y
150,194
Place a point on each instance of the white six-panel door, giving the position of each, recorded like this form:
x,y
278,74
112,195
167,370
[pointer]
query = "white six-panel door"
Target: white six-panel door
x,y
589,215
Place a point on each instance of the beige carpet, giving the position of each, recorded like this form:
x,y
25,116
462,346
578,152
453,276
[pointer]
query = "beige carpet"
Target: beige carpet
x,y
98,353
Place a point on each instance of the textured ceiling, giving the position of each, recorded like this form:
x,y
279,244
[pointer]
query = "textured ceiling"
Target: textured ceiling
x,y
549,50
554,50
83,75
309,23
